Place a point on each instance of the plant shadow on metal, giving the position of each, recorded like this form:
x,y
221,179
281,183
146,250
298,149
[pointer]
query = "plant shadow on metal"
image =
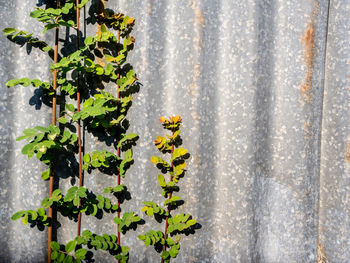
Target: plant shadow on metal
x,y
101,58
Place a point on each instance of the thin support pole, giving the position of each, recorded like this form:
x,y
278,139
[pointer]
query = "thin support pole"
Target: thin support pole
x,y
118,155
54,104
79,125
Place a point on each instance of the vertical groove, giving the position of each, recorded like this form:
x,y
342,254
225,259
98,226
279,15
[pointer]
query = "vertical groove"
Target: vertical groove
x,y
79,126
54,103
321,132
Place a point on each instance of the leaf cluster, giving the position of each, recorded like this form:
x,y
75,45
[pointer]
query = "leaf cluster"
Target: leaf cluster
x,y
180,223
128,221
46,142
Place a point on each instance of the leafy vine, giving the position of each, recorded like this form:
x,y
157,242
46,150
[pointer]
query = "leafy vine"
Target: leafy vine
x,y
174,224
101,112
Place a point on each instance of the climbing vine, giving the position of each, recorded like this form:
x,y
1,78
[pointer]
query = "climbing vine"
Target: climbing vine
x,y
182,223
82,76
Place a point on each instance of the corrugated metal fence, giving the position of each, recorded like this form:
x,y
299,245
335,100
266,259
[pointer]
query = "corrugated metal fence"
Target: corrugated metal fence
x,y
263,89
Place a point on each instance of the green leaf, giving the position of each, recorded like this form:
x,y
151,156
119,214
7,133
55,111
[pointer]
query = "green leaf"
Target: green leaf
x,y
13,82
36,82
150,211
173,252
61,257
49,26
69,23
70,107
117,220
41,212
165,254
45,175
9,30
147,241
191,222
36,13
27,149
62,120
83,3
55,246
80,253
47,48
87,158
42,129
89,40
30,132
46,203
70,246
54,255
82,192
161,180
68,259
18,215
99,70
128,137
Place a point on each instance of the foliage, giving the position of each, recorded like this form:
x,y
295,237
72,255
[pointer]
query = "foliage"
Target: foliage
x,y
102,112
174,224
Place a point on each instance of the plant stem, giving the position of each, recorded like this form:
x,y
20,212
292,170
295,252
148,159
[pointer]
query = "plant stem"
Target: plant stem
x,y
54,104
79,126
170,194
118,155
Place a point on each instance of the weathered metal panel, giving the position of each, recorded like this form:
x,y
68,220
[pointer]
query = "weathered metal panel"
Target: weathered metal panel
x,y
266,124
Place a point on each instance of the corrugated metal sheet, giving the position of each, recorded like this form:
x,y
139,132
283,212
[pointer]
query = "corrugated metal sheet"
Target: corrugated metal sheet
x,y
263,89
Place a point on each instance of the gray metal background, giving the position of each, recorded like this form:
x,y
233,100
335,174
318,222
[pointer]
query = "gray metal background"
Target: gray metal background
x,y
263,89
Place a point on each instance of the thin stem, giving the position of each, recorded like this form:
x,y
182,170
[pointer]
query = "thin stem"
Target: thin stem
x,y
79,126
170,194
118,154
54,104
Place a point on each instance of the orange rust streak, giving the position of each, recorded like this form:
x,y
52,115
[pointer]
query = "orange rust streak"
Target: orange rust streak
x,y
308,42
347,153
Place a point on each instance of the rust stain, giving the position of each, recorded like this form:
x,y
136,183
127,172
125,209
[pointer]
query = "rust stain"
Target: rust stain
x,y
308,42
198,14
196,158
307,131
321,254
347,152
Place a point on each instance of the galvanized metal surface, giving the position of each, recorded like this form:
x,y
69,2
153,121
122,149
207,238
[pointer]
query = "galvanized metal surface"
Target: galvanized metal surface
x,y
263,89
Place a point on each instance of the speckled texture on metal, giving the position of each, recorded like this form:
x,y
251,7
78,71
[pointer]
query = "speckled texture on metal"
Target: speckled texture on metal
x,y
263,90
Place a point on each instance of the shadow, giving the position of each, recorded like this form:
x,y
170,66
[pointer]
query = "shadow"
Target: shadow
x,y
133,226
46,3
39,98
188,231
30,43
